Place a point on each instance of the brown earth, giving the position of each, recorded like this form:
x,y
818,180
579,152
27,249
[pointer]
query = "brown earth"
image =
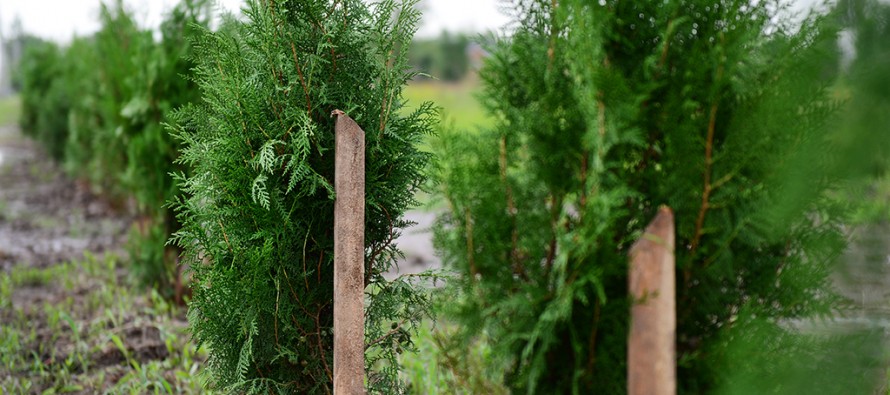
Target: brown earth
x,y
69,309
46,217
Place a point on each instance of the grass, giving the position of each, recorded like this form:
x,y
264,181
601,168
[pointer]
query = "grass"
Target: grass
x,y
444,365
10,109
461,113
82,327
460,107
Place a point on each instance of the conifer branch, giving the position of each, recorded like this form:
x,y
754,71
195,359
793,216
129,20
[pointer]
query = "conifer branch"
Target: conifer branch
x,y
386,335
243,73
331,44
293,49
468,226
709,161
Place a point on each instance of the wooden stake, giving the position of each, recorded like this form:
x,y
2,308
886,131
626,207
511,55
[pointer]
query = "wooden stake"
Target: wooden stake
x,y
651,348
349,257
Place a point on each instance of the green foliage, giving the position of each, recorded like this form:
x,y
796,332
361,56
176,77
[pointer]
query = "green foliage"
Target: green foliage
x,y
444,58
125,84
458,102
45,98
78,328
761,357
446,365
10,109
137,83
258,213
606,111
867,85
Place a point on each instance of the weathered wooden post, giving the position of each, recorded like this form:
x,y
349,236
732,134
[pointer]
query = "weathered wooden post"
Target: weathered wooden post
x,y
651,348
349,257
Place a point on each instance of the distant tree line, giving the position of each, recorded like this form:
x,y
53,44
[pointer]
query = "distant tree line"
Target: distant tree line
x,y
449,57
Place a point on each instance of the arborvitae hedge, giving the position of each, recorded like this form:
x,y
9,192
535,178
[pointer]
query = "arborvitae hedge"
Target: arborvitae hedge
x,y
605,111
99,106
258,213
41,74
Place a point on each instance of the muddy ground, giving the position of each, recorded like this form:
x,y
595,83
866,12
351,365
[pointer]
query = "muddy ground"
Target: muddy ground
x,y
69,321
46,217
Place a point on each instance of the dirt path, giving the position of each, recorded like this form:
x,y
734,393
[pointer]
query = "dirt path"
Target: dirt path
x,y
416,244
45,217
71,320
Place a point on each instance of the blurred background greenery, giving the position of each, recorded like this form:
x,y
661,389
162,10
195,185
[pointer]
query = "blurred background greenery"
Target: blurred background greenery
x,y
854,346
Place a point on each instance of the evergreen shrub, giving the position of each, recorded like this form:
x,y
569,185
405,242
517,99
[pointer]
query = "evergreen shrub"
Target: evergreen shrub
x,y
605,111
41,74
99,106
140,81
257,214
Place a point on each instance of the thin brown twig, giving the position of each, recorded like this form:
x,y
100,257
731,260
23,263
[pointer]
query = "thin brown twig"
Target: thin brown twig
x,y
591,349
318,269
377,251
225,236
299,302
383,107
706,190
293,49
386,335
320,349
470,248
277,297
554,33
305,279
709,161
511,210
554,218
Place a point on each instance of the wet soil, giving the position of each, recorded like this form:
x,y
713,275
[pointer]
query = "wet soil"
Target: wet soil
x,y
46,217
70,302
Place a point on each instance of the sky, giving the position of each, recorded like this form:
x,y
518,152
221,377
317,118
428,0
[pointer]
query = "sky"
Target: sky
x,y
60,20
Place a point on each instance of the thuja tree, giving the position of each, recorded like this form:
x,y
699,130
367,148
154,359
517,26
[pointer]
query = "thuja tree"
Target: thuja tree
x,y
160,84
865,81
605,111
45,97
258,214
127,83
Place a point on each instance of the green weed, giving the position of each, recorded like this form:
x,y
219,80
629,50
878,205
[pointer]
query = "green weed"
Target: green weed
x,y
78,327
10,108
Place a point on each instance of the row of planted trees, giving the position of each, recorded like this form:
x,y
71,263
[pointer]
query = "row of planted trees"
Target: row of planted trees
x,y
99,106
721,110
735,114
223,140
